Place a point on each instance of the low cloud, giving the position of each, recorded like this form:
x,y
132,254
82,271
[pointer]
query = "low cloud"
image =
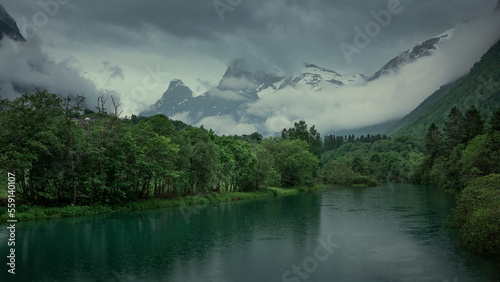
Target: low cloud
x,y
112,70
226,125
233,83
230,95
26,68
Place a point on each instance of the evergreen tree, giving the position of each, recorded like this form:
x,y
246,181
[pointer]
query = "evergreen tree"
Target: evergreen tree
x,y
340,142
454,128
329,143
284,133
433,141
473,124
314,141
311,136
495,121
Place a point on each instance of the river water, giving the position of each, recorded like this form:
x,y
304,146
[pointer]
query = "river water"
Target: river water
x,y
388,233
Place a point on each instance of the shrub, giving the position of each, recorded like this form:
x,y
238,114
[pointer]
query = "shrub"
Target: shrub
x,y
478,215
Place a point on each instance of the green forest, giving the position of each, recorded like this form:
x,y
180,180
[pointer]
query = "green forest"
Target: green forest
x,y
63,154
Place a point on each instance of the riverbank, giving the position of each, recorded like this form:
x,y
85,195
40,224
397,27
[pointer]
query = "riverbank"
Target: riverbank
x,y
26,213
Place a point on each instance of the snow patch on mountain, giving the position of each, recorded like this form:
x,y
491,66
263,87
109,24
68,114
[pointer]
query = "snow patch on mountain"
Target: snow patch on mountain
x,y
318,78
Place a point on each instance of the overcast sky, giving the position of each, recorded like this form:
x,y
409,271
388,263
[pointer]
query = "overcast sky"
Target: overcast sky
x,y
117,44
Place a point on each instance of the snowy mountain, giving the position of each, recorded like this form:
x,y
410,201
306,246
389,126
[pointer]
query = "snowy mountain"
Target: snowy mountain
x,y
318,78
424,49
239,86
8,26
173,100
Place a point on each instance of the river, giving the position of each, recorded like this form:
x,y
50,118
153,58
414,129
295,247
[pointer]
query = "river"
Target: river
x,y
388,233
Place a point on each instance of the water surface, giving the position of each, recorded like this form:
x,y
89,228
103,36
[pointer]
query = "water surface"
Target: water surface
x,y
388,233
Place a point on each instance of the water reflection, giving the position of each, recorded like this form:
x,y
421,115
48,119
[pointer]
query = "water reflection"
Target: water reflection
x,y
388,233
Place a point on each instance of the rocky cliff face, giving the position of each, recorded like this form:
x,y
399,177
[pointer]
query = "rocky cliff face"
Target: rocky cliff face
x,y
8,26
422,50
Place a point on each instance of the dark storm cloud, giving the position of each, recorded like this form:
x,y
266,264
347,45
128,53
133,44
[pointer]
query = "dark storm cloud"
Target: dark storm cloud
x,y
199,18
179,35
276,32
25,68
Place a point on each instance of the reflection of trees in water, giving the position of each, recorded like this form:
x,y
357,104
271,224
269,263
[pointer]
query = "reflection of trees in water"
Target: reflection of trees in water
x,y
125,245
231,223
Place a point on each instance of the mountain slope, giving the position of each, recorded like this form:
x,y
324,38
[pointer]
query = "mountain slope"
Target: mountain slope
x,y
422,50
481,87
8,26
424,106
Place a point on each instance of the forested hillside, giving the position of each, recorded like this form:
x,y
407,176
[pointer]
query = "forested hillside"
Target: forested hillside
x,y
481,87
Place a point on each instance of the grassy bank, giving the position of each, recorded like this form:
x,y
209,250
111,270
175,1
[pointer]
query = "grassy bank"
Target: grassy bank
x,y
25,213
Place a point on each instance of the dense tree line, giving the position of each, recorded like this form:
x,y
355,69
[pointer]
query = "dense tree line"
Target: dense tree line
x,y
332,142
465,156
64,154
464,149
365,163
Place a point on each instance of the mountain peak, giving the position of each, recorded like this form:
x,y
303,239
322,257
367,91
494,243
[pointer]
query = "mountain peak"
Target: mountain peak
x,y
423,49
178,90
239,63
173,99
238,68
175,82
310,65
313,66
